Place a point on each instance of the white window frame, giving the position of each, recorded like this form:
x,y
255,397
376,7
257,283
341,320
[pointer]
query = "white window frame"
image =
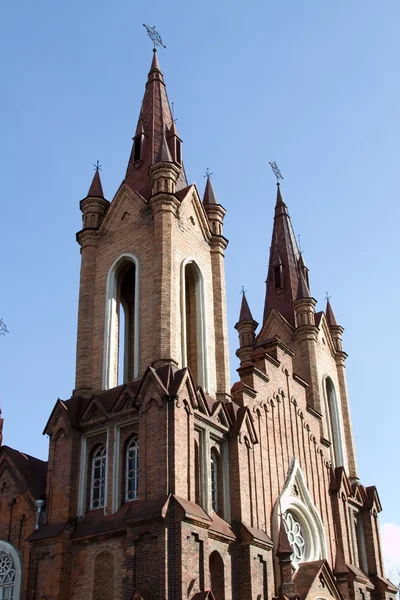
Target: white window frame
x,y
334,424
201,323
94,457
110,323
15,556
136,479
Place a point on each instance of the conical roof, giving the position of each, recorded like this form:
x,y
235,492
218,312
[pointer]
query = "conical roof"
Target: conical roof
x,y
245,312
96,189
330,315
209,196
155,116
164,154
302,290
284,548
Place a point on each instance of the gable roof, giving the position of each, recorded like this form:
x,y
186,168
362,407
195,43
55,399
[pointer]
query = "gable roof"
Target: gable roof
x,y
32,470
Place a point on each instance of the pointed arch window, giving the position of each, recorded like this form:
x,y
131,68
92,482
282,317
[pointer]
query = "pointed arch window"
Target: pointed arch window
x,y
214,481
98,477
333,422
121,335
278,281
137,147
194,347
132,469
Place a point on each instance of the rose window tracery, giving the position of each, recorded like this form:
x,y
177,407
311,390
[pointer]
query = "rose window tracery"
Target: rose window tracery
x,y
7,576
295,536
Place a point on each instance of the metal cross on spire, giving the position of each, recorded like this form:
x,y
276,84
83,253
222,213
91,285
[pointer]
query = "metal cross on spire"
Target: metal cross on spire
x,y
208,174
327,297
97,166
276,171
154,36
243,291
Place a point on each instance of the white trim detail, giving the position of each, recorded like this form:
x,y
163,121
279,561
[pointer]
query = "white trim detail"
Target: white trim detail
x,y
302,507
16,559
201,323
82,478
110,322
116,463
335,424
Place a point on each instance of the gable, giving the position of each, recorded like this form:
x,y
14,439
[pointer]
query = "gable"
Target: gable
x,y
276,325
126,209
193,216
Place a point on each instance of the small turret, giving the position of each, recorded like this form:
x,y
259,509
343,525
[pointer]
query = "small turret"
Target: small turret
x,y
164,172
246,326
304,304
94,206
336,330
215,212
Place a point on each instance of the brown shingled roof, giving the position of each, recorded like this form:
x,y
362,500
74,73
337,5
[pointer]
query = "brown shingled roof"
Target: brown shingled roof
x,y
32,470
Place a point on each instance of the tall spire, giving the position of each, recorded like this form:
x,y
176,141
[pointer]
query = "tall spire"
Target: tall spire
x,y
155,116
283,271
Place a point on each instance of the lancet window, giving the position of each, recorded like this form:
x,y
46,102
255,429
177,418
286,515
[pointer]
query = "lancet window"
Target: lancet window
x,y
132,469
333,422
98,477
194,349
121,344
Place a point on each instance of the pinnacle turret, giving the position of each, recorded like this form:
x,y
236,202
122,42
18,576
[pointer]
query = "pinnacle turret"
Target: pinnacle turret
x,y
209,196
245,313
330,315
96,189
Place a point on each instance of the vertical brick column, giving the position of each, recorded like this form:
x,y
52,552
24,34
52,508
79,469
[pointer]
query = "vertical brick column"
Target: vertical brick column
x,y
87,238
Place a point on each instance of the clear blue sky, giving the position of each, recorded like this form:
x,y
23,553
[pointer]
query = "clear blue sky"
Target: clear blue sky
x,y
311,84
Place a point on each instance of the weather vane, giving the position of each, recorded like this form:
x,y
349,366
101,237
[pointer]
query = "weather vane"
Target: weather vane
x,y
208,174
154,36
276,171
97,166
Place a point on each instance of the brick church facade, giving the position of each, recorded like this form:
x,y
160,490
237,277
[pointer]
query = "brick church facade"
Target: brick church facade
x,y
163,481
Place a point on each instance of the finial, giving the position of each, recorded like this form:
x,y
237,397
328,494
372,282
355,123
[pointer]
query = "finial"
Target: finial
x,y
208,174
276,171
154,36
173,120
300,250
243,291
97,166
327,298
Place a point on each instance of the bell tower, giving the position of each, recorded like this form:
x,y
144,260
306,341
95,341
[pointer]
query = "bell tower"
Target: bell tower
x,y
152,289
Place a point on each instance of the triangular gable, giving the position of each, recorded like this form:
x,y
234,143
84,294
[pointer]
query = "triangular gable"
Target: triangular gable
x,y
206,595
150,378
59,412
275,324
125,401
125,208
315,579
324,331
202,402
244,425
27,472
373,498
193,198
94,410
340,482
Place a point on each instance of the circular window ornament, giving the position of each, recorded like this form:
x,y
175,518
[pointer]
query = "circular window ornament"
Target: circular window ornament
x,y
7,571
295,536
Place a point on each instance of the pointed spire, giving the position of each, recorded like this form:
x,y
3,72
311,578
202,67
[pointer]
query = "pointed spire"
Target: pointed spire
x,y
284,548
283,272
155,65
245,312
164,154
209,196
340,564
330,316
279,197
302,290
96,189
155,117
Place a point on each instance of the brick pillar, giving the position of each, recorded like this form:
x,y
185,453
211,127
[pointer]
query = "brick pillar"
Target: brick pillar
x,y
344,402
218,245
87,238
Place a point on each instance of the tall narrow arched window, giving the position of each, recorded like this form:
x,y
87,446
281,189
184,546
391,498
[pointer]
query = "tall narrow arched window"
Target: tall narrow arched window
x,y
98,477
333,422
194,347
214,482
132,469
10,572
121,335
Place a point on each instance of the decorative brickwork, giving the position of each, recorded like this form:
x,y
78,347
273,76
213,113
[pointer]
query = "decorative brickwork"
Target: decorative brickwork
x,y
174,485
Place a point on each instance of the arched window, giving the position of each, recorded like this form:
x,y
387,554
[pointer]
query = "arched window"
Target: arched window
x,y
194,347
217,575
333,422
296,537
132,469
10,572
98,478
214,481
121,336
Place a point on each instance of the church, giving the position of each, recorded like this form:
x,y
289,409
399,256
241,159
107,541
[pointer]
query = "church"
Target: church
x,y
164,479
